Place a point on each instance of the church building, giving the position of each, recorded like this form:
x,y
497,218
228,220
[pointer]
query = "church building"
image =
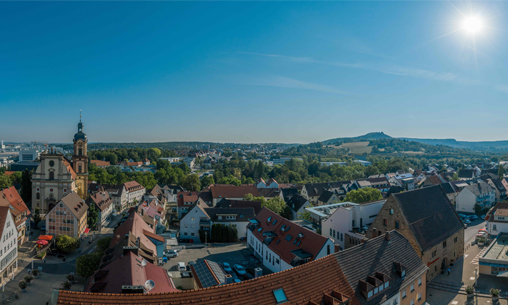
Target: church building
x,y
56,176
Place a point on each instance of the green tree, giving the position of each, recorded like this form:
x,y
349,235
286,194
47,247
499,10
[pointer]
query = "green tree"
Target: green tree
x,y
275,205
156,151
455,177
477,209
103,243
26,186
363,195
37,216
500,172
191,183
5,182
87,264
206,181
66,244
230,180
306,214
93,216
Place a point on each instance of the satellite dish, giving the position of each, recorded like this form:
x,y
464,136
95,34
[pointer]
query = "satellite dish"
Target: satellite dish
x,y
149,284
144,262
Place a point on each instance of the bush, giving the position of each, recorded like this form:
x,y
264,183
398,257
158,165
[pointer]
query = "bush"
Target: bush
x,y
66,285
22,284
35,272
41,255
66,244
70,277
494,292
28,278
87,264
469,289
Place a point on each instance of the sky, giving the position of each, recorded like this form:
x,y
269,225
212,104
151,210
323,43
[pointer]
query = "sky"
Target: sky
x,y
252,72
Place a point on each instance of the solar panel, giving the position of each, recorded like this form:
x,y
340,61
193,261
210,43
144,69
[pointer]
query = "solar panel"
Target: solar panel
x,y
204,275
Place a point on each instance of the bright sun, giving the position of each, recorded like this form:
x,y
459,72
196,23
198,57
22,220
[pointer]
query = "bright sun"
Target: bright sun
x,y
472,25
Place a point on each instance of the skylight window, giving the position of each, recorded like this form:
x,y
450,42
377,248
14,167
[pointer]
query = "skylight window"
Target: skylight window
x,y
289,237
269,218
274,222
260,229
280,296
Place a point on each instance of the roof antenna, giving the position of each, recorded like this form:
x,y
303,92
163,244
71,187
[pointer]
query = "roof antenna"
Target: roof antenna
x,y
80,115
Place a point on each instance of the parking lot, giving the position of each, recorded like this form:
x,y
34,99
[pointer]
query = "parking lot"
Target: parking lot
x,y
233,253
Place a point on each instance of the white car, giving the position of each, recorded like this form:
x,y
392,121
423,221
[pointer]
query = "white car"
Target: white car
x,y
239,269
170,253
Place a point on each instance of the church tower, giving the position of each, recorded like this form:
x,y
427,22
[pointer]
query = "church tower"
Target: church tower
x,y
80,161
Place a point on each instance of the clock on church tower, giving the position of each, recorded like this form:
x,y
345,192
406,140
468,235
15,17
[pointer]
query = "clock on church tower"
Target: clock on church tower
x,y
80,161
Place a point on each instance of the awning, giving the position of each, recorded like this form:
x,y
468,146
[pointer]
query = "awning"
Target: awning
x,y
503,274
87,230
45,237
42,242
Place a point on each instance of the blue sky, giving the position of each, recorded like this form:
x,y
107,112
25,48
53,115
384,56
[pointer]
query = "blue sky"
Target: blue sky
x,y
293,72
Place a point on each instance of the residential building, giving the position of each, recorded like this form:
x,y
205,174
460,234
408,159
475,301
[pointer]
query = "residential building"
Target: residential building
x,y
185,201
281,244
217,192
271,184
362,162
479,193
379,183
467,174
9,197
318,214
21,166
201,217
135,192
100,163
68,216
349,222
117,193
497,219
331,196
312,191
103,205
297,204
29,155
496,183
450,191
8,244
207,273
128,275
227,203
318,282
385,270
428,220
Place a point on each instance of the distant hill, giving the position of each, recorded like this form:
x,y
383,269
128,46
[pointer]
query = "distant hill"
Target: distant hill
x,y
483,146
366,137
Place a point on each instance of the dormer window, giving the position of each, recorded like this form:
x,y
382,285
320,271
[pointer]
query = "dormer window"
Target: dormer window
x,y
403,273
269,219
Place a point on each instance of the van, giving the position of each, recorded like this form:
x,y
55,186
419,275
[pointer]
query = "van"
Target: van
x,y
182,267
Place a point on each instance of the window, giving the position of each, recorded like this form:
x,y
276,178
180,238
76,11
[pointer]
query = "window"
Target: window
x,y
403,294
413,302
385,222
80,169
192,219
397,226
280,296
419,296
331,232
376,290
412,287
455,240
51,175
341,237
434,253
334,233
370,294
387,284
444,244
289,237
38,196
381,288
419,282
391,211
494,227
277,261
403,273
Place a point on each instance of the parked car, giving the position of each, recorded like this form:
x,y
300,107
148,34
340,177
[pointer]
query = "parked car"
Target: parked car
x,y
236,280
240,270
467,221
483,217
170,253
473,217
182,267
227,267
185,240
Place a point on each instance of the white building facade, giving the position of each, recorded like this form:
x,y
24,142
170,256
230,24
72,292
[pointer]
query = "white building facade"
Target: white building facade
x,y
8,245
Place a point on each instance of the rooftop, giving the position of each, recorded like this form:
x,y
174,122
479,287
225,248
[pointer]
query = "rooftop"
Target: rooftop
x,y
499,248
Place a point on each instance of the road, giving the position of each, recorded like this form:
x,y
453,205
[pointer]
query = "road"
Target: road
x,y
472,229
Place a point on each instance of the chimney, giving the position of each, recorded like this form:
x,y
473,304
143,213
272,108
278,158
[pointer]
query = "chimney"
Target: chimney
x,y
229,279
387,236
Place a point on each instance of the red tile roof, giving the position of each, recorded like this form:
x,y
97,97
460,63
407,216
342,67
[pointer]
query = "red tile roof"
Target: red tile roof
x,y
8,173
134,163
311,242
312,282
127,270
233,191
132,186
136,225
183,197
14,199
69,168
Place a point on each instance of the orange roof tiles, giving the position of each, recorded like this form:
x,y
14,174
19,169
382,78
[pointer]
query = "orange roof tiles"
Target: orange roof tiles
x,y
100,163
14,199
233,191
132,186
312,282
69,168
8,173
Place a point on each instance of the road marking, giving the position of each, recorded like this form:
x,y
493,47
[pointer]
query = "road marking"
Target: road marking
x,y
466,255
455,302
471,278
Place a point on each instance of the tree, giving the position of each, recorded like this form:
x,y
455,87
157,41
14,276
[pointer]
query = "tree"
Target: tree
x,y
500,172
37,216
206,181
230,180
306,214
363,195
26,186
87,264
275,205
477,209
103,243
66,244
455,177
93,216
191,183
5,181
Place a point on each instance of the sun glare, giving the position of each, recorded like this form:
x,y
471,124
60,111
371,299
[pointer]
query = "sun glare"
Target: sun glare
x,y
472,25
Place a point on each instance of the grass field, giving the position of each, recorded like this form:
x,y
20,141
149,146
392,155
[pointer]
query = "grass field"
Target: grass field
x,y
357,148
